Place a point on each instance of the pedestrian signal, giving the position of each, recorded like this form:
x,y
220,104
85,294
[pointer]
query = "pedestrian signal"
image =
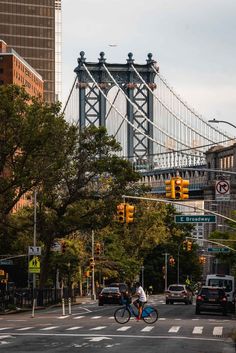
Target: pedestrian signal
x,y
171,261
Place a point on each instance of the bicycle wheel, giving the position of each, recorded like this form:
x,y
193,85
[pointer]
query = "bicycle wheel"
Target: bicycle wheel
x,y
149,315
122,315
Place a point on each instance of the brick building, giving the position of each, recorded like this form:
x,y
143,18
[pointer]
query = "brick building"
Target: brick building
x,y
15,70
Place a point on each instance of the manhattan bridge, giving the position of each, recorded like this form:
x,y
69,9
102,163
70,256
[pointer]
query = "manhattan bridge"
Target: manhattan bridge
x,y
158,131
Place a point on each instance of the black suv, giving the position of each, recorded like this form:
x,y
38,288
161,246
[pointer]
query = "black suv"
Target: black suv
x,y
211,299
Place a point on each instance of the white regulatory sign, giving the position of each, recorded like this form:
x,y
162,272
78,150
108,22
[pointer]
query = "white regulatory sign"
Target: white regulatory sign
x,y
34,250
222,190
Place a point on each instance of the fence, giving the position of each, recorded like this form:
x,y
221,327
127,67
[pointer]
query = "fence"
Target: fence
x,y
23,298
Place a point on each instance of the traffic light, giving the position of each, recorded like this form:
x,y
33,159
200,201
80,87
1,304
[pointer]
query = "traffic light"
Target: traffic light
x,y
184,189
63,247
91,263
171,261
121,212
185,245
129,214
177,187
189,245
98,249
202,260
170,189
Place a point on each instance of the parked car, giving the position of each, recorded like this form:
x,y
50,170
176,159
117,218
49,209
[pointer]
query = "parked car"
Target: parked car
x,y
110,295
211,299
179,293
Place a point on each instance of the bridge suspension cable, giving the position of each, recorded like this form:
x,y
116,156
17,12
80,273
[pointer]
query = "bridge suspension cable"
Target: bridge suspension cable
x,y
141,113
205,122
167,108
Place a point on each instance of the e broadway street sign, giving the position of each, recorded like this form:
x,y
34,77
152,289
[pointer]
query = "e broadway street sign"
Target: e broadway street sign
x,y
222,250
195,219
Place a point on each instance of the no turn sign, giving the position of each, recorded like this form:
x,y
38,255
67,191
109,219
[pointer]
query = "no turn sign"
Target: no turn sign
x,y
222,190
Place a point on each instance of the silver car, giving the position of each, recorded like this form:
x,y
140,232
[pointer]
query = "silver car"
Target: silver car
x,y
179,293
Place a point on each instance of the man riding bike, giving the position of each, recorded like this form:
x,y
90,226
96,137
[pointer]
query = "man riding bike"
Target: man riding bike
x,y
142,299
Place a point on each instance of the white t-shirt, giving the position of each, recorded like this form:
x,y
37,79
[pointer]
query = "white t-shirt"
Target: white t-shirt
x,y
141,293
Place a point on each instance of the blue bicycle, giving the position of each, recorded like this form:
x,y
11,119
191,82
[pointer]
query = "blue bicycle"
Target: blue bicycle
x,y
123,315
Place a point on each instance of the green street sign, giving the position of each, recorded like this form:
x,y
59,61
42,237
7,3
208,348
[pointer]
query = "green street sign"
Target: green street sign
x,y
221,250
195,219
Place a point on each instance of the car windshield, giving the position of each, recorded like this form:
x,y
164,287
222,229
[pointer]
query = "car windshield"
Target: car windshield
x,y
110,290
218,282
176,288
212,292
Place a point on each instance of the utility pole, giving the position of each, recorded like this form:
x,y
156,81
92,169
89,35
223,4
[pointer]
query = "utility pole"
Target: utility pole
x,y
166,269
35,230
93,295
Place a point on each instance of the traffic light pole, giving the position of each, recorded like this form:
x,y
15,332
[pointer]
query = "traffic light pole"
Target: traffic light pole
x,y
93,295
179,203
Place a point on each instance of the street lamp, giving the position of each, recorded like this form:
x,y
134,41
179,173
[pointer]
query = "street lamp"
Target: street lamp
x,y
221,121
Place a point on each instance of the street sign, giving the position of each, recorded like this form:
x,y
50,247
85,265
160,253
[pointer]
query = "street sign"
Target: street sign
x,y
34,250
222,190
195,219
34,265
6,262
218,250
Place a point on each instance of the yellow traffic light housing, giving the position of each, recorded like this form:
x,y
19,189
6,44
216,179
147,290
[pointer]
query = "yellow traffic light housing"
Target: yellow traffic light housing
x,y
171,261
184,189
129,216
177,187
97,248
185,244
121,212
189,245
170,189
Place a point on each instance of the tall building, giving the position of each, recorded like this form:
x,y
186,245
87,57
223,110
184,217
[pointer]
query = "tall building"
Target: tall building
x,y
15,70
29,27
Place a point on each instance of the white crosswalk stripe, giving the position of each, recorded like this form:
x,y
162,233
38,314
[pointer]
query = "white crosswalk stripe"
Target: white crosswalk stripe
x,y
25,328
217,331
63,317
97,328
147,329
78,317
124,328
174,329
5,328
73,328
96,317
198,330
49,328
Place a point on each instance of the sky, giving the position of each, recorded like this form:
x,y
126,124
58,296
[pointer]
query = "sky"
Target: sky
x,y
193,42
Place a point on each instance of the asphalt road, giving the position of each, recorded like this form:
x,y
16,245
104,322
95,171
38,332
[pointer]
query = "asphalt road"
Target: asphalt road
x,y
91,328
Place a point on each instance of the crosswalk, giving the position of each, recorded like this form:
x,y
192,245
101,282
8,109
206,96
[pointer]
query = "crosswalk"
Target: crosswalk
x,y
216,331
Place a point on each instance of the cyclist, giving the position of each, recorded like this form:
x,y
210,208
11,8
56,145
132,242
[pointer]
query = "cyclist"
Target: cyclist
x,y
142,299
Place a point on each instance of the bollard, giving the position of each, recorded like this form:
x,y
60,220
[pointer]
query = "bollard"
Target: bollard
x,y
33,307
69,306
63,307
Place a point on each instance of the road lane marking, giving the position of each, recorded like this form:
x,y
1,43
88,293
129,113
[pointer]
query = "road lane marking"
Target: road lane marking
x,y
111,317
217,331
49,328
63,317
96,317
78,317
147,329
97,328
124,328
162,319
174,329
5,328
73,328
198,330
24,328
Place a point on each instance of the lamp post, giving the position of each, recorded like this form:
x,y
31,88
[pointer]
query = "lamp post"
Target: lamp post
x,y
221,121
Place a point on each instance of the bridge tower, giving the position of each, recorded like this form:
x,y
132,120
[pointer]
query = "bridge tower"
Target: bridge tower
x,y
93,104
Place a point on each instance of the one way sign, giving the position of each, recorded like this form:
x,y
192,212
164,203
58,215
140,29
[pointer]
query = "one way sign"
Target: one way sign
x,y
222,190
